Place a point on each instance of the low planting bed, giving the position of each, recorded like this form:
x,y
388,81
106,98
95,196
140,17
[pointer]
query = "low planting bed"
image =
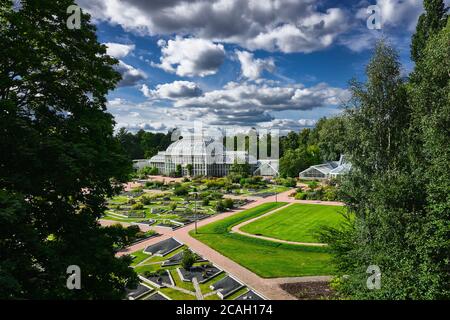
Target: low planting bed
x,y
203,273
157,296
158,279
250,295
169,225
146,222
226,286
163,248
263,194
138,292
178,258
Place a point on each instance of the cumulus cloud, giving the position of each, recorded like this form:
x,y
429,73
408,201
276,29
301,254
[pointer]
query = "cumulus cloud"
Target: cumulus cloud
x,y
174,90
404,13
244,105
314,32
130,75
288,124
252,68
190,57
278,25
249,96
118,50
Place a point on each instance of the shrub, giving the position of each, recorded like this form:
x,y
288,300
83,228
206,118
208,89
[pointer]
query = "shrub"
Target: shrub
x,y
137,190
228,203
219,206
205,202
137,206
180,191
145,200
300,196
188,259
290,182
313,185
173,206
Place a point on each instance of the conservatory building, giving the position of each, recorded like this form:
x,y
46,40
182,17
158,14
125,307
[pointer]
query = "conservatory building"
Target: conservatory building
x,y
205,157
327,170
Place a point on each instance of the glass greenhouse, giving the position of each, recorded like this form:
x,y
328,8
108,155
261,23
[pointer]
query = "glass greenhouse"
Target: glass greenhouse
x,y
207,157
327,170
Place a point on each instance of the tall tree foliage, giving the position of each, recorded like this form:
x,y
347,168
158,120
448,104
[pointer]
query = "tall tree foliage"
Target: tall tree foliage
x,y
398,190
378,192
433,20
59,157
430,101
143,144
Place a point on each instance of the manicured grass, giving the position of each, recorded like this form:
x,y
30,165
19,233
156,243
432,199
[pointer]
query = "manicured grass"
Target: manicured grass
x,y
225,225
297,222
180,283
266,258
140,256
176,295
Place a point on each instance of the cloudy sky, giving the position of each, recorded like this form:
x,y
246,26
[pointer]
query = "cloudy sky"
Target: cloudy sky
x,y
251,63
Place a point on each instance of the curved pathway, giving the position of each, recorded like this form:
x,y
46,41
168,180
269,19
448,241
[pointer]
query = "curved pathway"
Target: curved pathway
x,y
237,229
270,288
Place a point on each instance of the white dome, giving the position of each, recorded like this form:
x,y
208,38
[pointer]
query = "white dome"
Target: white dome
x,y
195,145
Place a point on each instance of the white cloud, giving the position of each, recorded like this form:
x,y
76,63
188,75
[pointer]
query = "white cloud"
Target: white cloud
x,y
315,32
130,75
400,13
277,25
252,68
118,50
248,96
191,57
285,125
174,90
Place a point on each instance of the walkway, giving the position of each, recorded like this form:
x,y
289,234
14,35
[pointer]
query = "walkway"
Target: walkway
x,y
237,229
268,287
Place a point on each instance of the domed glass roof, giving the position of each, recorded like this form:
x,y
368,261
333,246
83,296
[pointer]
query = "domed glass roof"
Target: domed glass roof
x,y
195,145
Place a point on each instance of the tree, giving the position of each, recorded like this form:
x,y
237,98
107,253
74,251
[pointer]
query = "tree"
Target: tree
x,y
143,144
180,191
59,157
430,101
189,168
430,22
240,169
188,260
380,192
295,161
219,206
178,171
331,136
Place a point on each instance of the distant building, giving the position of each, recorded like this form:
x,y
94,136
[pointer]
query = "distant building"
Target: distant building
x,y
207,156
328,170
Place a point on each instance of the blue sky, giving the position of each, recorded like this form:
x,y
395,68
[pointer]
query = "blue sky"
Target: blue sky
x,y
279,64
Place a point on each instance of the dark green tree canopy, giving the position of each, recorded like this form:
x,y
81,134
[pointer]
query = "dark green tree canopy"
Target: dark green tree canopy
x,y
430,22
59,157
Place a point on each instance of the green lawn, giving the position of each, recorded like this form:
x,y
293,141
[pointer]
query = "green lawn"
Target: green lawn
x,y
266,258
297,222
